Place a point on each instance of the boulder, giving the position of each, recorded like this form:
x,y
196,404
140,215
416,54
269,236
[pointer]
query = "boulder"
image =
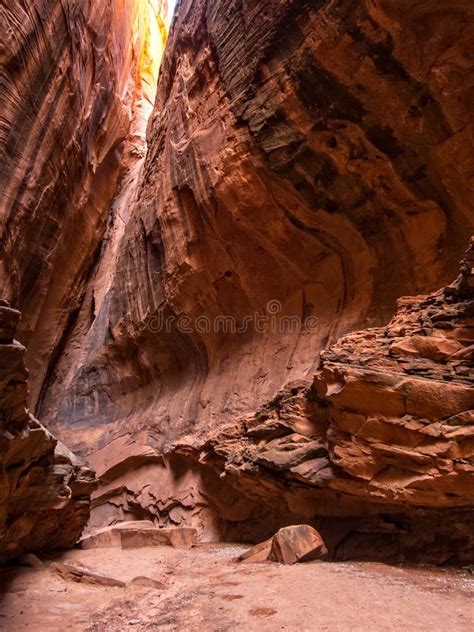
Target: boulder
x,y
290,545
300,543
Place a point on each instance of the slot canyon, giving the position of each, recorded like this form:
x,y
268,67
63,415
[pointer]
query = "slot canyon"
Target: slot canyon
x,y
236,309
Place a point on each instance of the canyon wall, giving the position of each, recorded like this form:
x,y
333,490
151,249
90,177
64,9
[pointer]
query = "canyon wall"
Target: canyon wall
x,y
45,489
377,451
308,163
78,82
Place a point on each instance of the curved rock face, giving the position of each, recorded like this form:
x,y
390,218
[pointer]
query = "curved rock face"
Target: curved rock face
x,y
77,83
384,436
45,489
308,163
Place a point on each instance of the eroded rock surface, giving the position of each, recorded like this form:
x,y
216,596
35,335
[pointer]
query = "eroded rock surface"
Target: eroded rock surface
x,y
80,574
308,159
78,80
384,436
45,489
298,543
136,534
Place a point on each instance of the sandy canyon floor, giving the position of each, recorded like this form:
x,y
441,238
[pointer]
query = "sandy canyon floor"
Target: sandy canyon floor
x,y
202,589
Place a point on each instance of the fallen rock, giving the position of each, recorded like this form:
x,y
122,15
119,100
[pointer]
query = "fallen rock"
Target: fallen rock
x,y
299,543
258,553
138,534
110,537
147,582
178,538
80,574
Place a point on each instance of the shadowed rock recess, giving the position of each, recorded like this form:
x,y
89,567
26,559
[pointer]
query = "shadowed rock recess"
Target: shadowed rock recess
x,y
307,163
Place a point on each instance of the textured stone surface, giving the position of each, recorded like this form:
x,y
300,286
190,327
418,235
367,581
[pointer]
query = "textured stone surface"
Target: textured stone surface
x,y
78,80
298,543
80,574
45,489
314,154
381,438
137,534
306,159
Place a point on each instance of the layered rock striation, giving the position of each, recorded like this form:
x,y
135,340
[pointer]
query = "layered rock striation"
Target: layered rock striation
x,y
78,81
310,159
383,437
45,489
308,163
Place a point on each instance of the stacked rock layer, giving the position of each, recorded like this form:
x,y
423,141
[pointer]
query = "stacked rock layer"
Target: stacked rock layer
x,y
45,489
385,430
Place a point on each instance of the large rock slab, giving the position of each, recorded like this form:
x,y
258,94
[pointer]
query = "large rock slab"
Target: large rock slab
x,y
81,574
138,534
299,543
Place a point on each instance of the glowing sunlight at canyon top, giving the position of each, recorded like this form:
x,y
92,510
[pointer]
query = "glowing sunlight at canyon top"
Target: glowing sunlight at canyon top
x,y
171,10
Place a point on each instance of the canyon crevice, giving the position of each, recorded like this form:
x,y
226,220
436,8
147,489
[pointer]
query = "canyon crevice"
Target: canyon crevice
x,y
78,84
306,164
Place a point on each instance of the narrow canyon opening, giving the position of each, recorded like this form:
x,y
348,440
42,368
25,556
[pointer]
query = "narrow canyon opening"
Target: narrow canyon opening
x,y
237,282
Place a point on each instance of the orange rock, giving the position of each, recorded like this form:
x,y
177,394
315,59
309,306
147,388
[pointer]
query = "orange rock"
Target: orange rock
x,y
395,438
258,553
305,162
81,574
138,534
299,543
430,347
45,490
273,185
